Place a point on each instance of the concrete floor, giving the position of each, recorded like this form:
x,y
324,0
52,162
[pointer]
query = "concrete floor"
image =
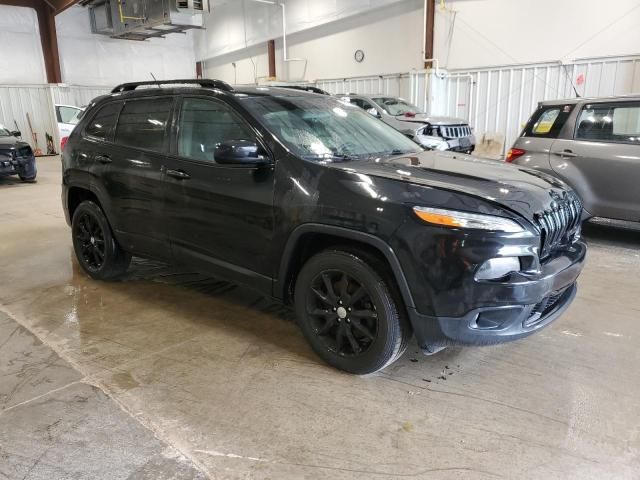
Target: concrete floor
x,y
172,375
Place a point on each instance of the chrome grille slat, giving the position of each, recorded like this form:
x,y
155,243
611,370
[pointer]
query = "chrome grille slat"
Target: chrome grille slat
x,y
559,224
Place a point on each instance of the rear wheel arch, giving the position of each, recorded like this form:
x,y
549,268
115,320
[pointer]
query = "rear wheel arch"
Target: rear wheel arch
x,y
77,195
309,239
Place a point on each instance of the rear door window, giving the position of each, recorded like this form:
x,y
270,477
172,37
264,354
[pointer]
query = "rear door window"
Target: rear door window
x,y
609,122
102,123
547,121
143,123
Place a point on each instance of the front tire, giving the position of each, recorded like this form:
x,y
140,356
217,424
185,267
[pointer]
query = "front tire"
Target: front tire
x,y
348,313
96,249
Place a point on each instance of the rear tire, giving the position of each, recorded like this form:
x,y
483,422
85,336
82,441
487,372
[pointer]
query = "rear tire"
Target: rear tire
x,y
96,249
348,313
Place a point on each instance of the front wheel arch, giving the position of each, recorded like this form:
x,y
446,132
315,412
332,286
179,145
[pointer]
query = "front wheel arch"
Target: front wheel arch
x,y
310,238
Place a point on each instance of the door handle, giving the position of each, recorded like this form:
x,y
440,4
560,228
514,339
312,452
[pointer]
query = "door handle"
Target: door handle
x,y
103,158
179,174
566,154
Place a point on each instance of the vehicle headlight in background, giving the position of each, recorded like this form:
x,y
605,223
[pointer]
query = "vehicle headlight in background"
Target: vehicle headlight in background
x,y
456,219
497,268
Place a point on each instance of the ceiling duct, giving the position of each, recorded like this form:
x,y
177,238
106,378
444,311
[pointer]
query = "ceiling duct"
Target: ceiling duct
x,y
143,19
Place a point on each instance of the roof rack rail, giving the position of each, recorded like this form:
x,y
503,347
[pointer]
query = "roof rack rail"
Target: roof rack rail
x,y
306,88
203,82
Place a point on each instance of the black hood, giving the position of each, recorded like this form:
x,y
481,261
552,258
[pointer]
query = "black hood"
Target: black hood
x,y
520,189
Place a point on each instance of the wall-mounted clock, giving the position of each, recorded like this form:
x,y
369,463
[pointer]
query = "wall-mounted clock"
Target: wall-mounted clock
x,y
359,56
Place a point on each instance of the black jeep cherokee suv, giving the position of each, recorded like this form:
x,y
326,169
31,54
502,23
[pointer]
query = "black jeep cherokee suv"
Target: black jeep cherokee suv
x,y
317,203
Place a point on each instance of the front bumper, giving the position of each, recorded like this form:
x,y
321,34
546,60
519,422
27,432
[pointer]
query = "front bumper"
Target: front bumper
x,y
537,302
451,307
23,166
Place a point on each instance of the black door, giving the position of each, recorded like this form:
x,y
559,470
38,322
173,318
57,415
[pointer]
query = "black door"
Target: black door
x,y
134,177
219,216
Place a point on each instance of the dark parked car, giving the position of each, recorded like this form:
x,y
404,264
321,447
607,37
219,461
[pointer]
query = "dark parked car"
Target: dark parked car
x,y
16,156
593,144
316,202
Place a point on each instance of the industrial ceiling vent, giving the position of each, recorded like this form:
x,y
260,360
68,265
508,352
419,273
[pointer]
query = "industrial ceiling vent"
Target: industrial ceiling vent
x,y
142,19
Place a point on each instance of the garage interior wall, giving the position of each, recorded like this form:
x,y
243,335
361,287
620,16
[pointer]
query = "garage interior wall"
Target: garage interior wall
x,y
325,34
21,60
499,32
88,59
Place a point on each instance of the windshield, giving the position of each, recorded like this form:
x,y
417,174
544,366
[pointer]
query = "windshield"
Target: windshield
x,y
4,132
396,106
317,127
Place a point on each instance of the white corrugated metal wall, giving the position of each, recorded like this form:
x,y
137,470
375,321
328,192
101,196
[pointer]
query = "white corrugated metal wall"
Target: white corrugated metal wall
x,y
38,101
396,84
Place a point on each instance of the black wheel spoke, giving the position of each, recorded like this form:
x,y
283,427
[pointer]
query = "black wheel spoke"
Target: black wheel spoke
x,y
364,314
339,338
352,340
322,296
321,312
362,329
343,285
326,328
331,295
357,295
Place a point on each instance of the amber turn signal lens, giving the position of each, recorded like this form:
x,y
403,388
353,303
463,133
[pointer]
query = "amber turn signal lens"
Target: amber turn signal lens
x,y
438,219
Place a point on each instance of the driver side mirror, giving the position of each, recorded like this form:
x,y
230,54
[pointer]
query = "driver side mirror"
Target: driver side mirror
x,y
240,152
16,133
374,112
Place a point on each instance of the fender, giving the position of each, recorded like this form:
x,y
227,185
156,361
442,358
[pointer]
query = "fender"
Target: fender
x,y
89,185
279,285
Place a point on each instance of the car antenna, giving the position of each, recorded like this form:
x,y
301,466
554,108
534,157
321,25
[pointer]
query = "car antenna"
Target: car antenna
x,y
571,80
155,79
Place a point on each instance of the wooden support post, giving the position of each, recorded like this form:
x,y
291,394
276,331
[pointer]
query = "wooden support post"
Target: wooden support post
x,y
271,53
430,31
49,41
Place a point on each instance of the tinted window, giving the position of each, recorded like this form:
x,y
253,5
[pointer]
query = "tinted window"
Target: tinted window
x,y
206,123
104,121
143,123
547,121
615,123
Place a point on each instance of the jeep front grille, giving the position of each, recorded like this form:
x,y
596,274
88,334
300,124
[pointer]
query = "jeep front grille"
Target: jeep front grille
x,y
455,131
559,224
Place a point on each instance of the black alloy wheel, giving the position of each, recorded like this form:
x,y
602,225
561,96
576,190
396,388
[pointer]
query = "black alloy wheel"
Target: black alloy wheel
x,y
97,250
90,237
342,313
348,313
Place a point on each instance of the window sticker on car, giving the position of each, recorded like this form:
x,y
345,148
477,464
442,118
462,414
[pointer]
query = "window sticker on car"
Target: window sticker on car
x,y
566,109
546,121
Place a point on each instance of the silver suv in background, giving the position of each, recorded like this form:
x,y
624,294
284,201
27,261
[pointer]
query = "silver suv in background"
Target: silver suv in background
x,y
593,144
432,132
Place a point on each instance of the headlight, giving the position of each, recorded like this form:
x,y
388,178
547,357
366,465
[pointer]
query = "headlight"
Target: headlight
x,y
497,268
456,219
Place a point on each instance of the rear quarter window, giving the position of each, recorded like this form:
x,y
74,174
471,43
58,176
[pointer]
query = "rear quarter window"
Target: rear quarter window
x,y
547,121
103,122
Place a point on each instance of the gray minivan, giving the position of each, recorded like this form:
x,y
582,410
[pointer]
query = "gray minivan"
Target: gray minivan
x,y
593,144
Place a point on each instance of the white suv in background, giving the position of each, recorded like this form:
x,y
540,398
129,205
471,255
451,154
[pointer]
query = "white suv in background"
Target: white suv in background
x,y
67,117
432,132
